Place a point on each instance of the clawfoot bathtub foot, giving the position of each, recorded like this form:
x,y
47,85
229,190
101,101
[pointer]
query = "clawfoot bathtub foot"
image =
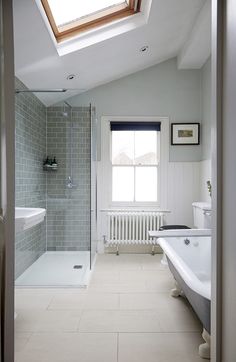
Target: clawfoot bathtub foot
x,y
205,348
176,292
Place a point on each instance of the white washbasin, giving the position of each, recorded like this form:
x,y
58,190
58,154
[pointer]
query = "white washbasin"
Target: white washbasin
x,y
26,217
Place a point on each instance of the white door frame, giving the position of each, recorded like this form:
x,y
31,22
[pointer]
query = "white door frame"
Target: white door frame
x,y
224,200
218,7
7,180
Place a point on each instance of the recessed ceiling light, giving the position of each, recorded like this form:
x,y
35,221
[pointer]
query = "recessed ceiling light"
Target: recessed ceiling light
x,y
143,49
71,77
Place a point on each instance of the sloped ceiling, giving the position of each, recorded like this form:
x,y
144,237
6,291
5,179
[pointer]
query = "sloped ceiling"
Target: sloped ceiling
x,y
38,65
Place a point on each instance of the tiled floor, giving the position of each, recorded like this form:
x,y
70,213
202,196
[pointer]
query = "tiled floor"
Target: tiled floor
x,y
126,315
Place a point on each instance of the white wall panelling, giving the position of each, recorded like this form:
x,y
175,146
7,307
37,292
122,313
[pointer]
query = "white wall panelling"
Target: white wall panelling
x,y
183,188
205,172
180,181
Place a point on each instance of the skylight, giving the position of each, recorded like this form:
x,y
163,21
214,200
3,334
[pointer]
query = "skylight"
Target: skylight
x,y
71,10
68,17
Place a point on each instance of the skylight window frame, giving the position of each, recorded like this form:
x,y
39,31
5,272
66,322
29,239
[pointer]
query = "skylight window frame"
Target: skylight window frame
x,y
91,21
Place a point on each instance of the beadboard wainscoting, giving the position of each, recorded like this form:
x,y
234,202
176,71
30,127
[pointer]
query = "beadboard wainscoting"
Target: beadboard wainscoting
x,y
182,188
205,169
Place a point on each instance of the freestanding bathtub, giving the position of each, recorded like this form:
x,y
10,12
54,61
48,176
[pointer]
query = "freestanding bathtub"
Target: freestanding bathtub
x,y
189,259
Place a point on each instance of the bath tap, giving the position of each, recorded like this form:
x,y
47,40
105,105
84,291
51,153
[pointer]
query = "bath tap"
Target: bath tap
x,y
209,187
186,241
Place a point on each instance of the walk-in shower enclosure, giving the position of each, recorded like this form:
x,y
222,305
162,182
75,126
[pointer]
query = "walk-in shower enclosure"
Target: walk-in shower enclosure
x,y
67,238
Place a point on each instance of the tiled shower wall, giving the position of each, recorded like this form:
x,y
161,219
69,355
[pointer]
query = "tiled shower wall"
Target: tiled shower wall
x,y
30,116
42,131
68,210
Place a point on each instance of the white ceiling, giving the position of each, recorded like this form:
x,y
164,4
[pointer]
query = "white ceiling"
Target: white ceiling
x,y
38,65
197,48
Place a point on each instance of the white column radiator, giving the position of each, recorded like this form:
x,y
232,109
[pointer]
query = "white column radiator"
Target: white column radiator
x,y
131,227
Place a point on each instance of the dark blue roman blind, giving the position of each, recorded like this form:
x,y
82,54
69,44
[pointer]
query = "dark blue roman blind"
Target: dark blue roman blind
x,y
135,126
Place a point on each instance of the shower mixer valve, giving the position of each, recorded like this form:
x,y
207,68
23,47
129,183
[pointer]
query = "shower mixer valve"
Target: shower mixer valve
x,y
70,183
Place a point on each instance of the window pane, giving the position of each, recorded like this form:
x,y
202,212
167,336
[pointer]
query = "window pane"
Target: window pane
x,y
122,147
146,184
146,147
67,11
123,184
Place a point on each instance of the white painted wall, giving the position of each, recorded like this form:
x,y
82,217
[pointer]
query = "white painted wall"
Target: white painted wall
x,y
205,165
162,90
206,110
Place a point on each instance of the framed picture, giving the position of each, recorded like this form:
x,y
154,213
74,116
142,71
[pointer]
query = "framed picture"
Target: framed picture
x,y
185,133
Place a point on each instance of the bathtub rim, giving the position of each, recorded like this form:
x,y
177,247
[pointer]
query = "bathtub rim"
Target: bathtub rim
x,y
186,273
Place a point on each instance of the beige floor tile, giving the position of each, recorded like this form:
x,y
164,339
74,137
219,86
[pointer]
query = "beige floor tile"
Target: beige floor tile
x,y
98,347
114,259
116,263
105,258
70,347
153,262
21,338
118,288
85,301
104,277
32,299
163,283
103,301
47,321
136,301
157,281
159,347
98,321
67,301
183,320
119,321
149,276
128,294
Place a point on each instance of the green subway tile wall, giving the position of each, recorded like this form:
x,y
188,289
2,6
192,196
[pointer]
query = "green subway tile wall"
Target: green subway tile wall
x,y
42,131
68,210
30,116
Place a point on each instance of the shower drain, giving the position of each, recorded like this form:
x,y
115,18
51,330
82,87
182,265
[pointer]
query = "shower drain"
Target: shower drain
x,y
77,266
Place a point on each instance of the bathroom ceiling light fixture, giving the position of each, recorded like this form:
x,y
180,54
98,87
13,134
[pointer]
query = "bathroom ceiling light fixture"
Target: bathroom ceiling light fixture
x,y
143,49
71,77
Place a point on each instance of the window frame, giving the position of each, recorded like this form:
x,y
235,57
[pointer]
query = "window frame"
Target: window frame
x,y
135,166
91,21
105,168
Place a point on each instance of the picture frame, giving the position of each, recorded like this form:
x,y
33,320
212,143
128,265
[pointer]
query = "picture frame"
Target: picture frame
x,y
185,134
